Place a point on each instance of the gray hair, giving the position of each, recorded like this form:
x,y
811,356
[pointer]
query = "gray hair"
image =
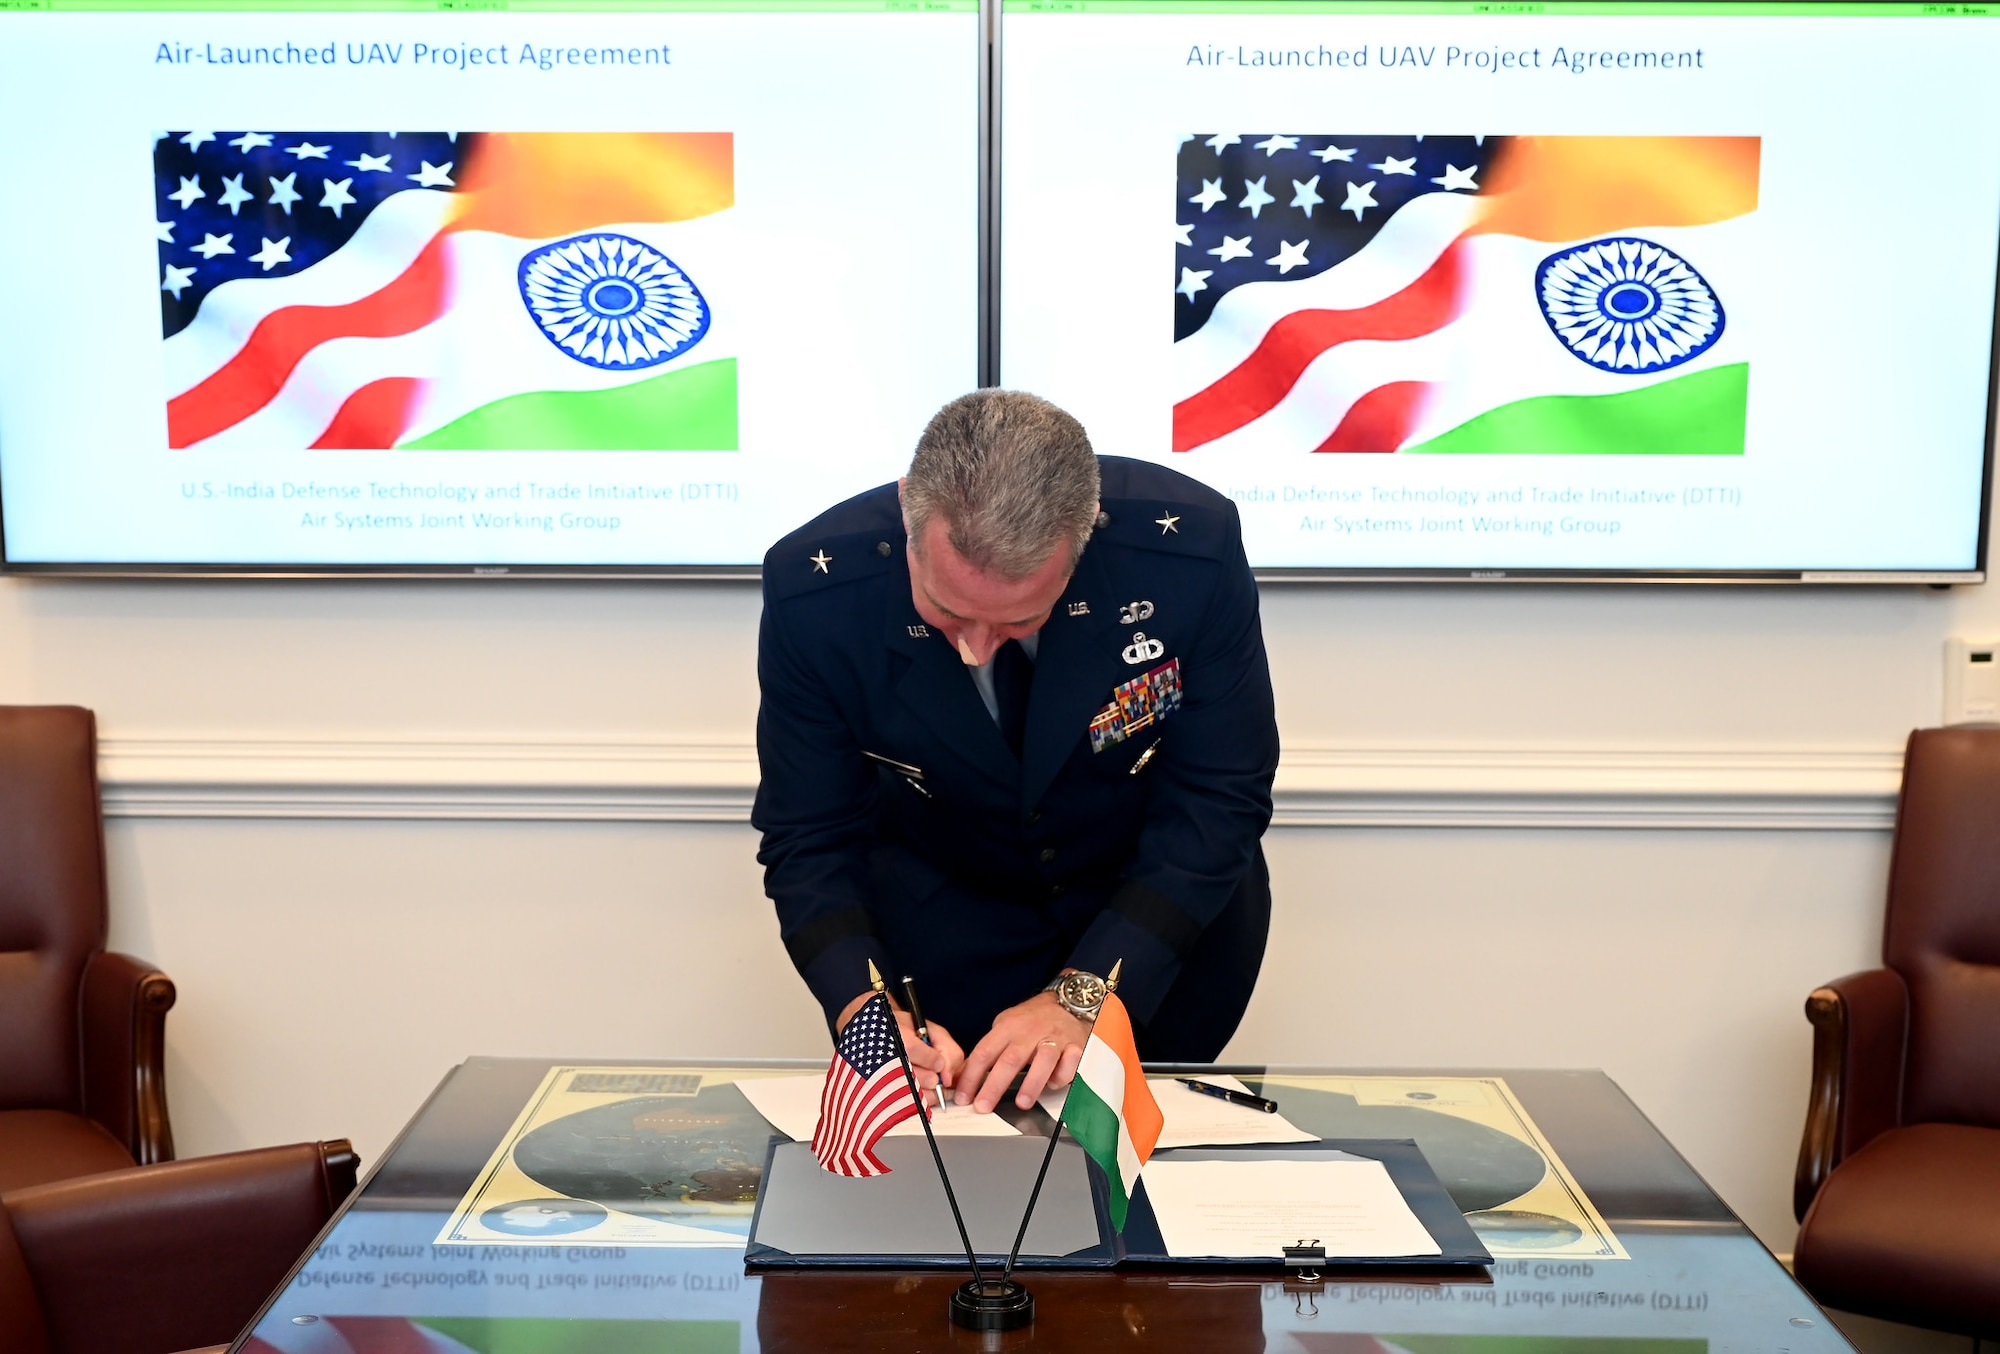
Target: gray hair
x,y
1012,477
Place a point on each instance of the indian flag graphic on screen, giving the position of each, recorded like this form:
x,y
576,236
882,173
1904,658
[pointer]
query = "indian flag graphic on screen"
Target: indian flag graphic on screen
x,y
1463,294
447,290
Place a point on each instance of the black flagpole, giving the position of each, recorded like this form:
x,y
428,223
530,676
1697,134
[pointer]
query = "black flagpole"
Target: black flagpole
x,y
923,1117
1034,1194
1007,1275
983,1304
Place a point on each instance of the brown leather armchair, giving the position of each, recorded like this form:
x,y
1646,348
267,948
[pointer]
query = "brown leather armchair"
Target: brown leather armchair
x,y
1898,1184
153,1259
82,1087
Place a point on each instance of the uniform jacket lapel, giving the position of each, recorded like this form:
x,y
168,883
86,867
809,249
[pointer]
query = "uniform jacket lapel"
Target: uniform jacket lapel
x,y
1075,669
937,688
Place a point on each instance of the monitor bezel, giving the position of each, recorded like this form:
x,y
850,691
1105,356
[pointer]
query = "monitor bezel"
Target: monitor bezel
x,y
989,58
1803,575
985,242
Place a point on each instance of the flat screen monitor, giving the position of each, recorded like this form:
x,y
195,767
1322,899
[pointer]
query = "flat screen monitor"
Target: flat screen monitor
x,y
1543,290
556,284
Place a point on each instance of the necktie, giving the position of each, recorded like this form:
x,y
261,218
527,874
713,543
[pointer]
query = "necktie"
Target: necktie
x,y
1013,675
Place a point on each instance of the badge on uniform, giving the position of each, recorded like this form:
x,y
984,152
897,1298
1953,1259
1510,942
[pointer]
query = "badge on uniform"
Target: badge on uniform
x,y
1141,649
1138,704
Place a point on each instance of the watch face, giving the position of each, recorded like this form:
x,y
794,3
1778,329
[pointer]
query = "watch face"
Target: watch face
x,y
1083,990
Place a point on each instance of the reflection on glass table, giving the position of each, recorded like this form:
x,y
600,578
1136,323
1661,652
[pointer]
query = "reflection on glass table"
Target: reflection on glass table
x,y
612,1220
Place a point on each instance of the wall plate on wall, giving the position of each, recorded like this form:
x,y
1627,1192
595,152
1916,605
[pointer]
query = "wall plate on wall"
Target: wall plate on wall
x,y
1971,681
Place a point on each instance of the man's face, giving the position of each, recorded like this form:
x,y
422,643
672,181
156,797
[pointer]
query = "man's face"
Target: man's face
x,y
978,612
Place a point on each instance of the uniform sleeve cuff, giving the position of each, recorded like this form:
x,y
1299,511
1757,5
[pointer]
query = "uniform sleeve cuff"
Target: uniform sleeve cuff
x,y
1149,965
839,973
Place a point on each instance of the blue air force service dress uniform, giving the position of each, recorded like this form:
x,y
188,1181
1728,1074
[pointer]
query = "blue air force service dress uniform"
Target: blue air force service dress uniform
x,y
900,826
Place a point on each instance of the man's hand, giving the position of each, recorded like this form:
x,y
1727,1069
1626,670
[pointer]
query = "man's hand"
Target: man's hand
x,y
935,1062
1038,1035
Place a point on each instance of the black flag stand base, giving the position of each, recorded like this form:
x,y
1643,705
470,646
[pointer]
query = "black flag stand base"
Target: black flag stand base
x,y
992,1304
981,1303
1002,1304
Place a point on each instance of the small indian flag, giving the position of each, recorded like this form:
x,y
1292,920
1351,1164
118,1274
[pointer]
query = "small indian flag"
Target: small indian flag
x,y
1110,1110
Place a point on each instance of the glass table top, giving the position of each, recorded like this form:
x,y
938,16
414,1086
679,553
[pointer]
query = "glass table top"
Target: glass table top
x,y
1647,1261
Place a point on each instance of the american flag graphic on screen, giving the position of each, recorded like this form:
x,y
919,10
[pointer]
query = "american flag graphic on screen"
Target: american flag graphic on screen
x,y
1464,294
866,1093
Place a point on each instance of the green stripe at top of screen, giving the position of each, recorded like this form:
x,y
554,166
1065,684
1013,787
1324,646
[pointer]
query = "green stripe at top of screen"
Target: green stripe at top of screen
x,y
1790,9
507,6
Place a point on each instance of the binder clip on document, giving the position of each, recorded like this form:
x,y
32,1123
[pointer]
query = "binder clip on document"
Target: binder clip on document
x,y
1302,1276
1304,1261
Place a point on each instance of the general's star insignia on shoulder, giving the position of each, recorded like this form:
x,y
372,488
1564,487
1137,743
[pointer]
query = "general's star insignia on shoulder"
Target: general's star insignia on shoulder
x,y
820,561
1167,523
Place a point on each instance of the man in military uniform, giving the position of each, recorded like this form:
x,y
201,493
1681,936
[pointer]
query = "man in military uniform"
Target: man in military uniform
x,y
1017,727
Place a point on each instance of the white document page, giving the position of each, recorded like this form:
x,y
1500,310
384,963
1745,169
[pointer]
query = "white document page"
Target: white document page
x,y
1257,1208
1197,1120
792,1106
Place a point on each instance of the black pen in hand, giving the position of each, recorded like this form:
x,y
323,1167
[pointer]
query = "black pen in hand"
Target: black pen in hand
x,y
917,1017
1244,1098
916,1010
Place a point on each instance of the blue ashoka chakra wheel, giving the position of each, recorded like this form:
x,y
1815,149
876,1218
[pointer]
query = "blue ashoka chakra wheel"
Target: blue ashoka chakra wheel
x,y
1628,305
612,301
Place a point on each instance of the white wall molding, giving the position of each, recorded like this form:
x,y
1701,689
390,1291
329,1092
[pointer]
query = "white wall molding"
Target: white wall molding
x,y
464,778
1840,789
1825,789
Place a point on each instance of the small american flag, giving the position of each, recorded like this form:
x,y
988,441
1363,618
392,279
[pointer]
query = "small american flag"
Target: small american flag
x,y
866,1093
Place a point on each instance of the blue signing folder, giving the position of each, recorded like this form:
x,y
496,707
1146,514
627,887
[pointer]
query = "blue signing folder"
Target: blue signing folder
x,y
808,1216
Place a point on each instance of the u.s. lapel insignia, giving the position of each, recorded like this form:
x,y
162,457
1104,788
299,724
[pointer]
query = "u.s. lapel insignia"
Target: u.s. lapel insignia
x,y
820,561
1167,522
1134,612
919,631
1079,608
1141,649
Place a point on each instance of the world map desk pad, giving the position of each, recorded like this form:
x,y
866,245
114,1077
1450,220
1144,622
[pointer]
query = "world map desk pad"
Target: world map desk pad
x,y
673,1156
623,1156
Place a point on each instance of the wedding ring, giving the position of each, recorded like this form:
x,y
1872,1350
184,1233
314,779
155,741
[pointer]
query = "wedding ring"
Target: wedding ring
x,y
1050,1043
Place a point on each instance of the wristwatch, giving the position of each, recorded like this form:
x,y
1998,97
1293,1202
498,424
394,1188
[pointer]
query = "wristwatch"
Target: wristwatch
x,y
1079,993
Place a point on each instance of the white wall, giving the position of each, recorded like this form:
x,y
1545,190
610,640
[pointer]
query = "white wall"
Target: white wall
x,y
459,861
